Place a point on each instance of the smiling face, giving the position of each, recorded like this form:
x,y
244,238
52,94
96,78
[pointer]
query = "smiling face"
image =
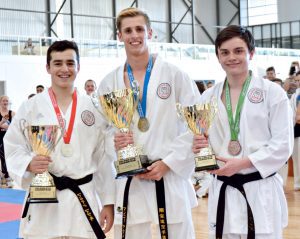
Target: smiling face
x,y
234,56
63,68
135,34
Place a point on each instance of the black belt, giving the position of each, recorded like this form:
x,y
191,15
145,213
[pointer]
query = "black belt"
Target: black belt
x,y
62,183
161,207
237,181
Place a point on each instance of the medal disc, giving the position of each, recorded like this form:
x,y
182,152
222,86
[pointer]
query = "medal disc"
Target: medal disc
x,y
67,150
234,147
143,124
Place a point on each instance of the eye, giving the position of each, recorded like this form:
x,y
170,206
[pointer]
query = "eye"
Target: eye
x,y
140,29
224,53
128,30
239,51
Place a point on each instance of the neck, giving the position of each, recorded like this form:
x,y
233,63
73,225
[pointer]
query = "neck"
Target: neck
x,y
4,109
63,94
138,63
237,81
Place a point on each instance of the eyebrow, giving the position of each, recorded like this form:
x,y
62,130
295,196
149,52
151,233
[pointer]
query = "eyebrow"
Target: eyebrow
x,y
58,61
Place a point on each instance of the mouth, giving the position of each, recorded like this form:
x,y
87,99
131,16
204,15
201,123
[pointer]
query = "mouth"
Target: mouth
x,y
135,43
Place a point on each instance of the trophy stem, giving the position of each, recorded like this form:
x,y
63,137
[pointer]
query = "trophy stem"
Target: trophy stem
x,y
42,189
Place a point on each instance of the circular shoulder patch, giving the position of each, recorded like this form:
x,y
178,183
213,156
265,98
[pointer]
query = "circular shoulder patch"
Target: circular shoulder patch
x,y
164,90
88,117
255,95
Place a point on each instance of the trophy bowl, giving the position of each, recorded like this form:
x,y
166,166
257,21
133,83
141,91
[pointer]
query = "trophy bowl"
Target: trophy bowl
x,y
199,118
119,107
42,140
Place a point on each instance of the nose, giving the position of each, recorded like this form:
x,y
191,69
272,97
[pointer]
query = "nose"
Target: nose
x,y
64,67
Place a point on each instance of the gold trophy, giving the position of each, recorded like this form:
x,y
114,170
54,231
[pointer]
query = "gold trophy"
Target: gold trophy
x,y
199,118
42,140
119,107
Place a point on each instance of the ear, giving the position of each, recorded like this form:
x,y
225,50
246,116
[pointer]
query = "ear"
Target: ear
x,y
48,68
150,32
78,67
120,36
252,54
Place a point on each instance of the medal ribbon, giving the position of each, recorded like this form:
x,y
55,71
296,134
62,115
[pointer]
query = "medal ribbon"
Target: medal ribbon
x,y
142,106
235,123
67,133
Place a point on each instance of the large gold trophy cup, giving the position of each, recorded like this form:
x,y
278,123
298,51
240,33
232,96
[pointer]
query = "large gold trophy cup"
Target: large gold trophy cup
x,y
42,140
199,118
119,107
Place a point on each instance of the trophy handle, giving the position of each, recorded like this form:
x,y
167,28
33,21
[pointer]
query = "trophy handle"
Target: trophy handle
x,y
23,125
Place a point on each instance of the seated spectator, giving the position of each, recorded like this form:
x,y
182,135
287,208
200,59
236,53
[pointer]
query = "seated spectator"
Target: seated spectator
x,y
39,89
29,47
90,86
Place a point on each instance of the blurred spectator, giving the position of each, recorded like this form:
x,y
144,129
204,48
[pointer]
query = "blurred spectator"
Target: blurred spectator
x,y
31,95
278,81
270,73
39,89
209,84
292,83
90,86
6,116
201,86
29,47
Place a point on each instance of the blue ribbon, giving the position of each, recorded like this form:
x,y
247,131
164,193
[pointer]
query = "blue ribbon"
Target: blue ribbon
x,y
142,106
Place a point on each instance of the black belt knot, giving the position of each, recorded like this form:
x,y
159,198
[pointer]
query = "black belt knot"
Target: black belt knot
x,y
237,181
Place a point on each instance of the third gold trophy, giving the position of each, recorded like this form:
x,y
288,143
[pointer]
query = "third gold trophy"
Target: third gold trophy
x,y
199,118
119,107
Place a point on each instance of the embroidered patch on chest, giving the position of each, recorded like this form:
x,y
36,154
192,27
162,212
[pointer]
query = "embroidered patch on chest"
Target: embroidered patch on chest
x,y
255,95
164,90
88,117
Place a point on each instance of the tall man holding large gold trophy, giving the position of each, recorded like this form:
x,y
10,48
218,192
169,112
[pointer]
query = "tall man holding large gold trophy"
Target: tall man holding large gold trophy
x,y
78,170
163,195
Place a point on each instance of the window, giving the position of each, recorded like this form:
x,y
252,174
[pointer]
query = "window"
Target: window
x,y
256,12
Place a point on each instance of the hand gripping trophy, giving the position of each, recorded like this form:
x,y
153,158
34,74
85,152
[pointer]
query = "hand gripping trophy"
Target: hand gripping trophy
x,y
119,107
199,118
41,140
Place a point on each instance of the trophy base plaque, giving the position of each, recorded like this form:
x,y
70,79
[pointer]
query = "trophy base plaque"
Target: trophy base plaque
x,y
43,194
205,160
132,166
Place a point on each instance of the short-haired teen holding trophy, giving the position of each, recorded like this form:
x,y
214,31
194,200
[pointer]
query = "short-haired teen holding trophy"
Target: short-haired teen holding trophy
x,y
252,137
76,164
163,195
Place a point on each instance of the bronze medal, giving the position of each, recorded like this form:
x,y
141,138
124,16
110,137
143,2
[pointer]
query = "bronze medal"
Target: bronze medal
x,y
143,124
234,147
67,150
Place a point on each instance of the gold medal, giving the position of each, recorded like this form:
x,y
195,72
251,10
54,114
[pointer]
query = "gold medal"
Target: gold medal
x,y
143,124
234,147
67,150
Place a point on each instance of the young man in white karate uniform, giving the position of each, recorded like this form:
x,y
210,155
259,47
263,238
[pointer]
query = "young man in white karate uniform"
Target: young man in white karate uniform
x,y
77,163
252,136
164,137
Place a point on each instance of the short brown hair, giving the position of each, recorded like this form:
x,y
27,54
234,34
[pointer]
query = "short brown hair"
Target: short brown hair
x,y
131,12
235,31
